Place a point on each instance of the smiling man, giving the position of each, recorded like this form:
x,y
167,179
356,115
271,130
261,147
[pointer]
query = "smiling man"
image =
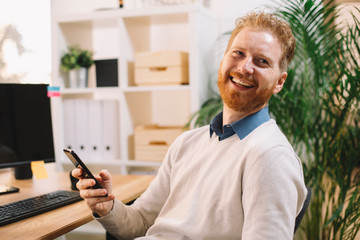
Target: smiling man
x,y
237,178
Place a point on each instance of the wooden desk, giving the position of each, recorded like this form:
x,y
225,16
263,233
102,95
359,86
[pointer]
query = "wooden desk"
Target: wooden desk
x,y
60,221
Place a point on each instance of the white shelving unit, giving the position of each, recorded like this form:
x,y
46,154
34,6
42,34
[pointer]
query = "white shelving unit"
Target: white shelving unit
x,y
120,33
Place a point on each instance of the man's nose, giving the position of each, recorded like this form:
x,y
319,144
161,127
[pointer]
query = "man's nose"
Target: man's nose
x,y
246,66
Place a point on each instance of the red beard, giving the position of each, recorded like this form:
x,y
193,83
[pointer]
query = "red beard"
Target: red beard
x,y
243,101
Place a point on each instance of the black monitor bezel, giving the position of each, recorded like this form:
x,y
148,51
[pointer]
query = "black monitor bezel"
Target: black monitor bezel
x,y
28,161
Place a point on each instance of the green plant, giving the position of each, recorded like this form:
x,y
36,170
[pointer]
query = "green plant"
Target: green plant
x,y
207,111
76,58
318,110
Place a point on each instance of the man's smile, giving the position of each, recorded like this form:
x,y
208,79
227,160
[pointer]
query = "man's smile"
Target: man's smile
x,y
240,83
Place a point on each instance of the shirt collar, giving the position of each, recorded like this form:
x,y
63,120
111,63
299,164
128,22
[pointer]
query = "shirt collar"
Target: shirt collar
x,y
216,125
242,127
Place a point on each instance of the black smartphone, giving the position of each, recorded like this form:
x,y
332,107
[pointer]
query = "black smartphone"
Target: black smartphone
x,y
74,158
4,189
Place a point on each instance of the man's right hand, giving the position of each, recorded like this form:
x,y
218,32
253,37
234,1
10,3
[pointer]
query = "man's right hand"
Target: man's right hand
x,y
94,198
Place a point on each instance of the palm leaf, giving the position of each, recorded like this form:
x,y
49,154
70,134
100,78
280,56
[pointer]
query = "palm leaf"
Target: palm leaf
x,y
316,109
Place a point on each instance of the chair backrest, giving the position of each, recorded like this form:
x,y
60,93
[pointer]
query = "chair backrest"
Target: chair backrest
x,y
300,216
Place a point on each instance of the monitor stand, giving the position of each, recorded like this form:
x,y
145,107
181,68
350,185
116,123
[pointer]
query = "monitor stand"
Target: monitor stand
x,y
23,172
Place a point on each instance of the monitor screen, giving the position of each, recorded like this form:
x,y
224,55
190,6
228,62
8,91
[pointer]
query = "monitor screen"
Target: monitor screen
x,y
25,124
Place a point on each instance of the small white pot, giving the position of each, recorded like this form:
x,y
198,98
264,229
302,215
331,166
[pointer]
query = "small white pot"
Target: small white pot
x,y
78,78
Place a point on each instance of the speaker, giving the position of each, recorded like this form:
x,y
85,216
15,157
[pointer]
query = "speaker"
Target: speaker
x,y
106,73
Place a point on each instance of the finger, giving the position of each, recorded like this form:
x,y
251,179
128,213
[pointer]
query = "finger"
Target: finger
x,y
93,193
96,200
77,173
85,183
97,204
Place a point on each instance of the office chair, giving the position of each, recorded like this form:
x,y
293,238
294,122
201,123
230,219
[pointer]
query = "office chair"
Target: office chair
x,y
298,219
303,209
108,236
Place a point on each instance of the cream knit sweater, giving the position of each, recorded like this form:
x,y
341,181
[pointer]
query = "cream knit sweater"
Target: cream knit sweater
x,y
210,189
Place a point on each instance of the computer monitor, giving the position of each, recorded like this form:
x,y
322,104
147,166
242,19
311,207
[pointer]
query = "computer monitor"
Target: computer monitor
x,y
25,127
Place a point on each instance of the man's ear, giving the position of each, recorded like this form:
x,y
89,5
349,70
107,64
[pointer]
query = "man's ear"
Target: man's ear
x,y
280,82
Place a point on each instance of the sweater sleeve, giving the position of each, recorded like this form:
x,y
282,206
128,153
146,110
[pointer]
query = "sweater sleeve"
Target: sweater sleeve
x,y
129,222
273,194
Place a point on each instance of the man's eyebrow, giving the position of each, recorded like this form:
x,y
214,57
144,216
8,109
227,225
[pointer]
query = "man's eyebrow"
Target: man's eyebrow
x,y
261,54
265,56
237,48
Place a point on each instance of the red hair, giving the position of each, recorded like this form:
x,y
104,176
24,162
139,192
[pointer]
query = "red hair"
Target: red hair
x,y
273,24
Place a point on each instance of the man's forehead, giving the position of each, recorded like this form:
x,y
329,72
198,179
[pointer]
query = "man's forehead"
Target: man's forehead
x,y
266,35
257,38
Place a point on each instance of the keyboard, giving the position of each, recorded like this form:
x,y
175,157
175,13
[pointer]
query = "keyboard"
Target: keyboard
x,y
30,207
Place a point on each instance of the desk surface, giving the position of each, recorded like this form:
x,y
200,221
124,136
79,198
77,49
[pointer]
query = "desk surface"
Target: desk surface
x,y
60,221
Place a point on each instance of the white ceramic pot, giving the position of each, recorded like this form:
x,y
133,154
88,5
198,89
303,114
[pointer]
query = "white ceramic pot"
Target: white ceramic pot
x,y
78,78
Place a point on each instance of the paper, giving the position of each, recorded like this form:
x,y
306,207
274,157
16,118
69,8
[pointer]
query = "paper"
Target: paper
x,y
69,124
110,147
95,129
39,170
81,127
53,91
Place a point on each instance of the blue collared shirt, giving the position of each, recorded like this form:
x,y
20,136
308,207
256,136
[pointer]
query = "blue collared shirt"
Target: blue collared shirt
x,y
242,127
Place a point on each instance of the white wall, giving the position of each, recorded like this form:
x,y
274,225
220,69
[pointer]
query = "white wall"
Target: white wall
x,y
228,10
27,57
25,41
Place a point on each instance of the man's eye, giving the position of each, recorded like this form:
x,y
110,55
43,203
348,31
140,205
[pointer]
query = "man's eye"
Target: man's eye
x,y
238,54
262,61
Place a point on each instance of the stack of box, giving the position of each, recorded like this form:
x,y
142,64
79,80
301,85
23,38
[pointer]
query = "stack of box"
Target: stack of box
x,y
152,141
161,68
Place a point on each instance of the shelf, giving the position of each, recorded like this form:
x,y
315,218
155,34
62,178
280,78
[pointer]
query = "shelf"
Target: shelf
x,y
110,13
136,163
157,88
92,92
118,162
72,91
103,162
84,91
120,34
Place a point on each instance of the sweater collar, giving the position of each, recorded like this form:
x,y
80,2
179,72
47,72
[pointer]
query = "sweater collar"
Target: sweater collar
x,y
242,127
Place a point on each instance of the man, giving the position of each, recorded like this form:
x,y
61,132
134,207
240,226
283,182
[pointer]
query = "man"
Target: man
x,y
238,178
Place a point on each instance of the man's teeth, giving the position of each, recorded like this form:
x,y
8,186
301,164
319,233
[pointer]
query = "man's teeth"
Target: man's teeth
x,y
238,81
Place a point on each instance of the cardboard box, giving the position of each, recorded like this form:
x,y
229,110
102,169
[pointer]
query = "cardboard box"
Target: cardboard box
x,y
153,141
161,68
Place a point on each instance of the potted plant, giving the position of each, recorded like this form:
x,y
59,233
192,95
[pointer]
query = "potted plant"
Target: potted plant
x,y
76,62
318,109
